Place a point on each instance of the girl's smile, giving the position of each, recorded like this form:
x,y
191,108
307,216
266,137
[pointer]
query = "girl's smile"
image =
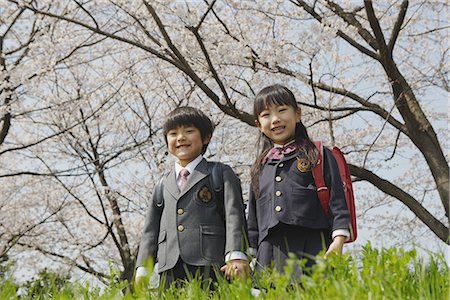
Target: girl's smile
x,y
278,122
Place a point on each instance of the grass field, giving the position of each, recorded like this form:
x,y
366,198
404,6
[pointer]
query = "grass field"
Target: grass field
x,y
374,274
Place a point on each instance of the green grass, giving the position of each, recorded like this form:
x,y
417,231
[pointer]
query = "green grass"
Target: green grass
x,y
374,274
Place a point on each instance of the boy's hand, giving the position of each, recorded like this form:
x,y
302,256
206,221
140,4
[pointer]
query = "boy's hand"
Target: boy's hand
x,y
141,282
236,268
336,246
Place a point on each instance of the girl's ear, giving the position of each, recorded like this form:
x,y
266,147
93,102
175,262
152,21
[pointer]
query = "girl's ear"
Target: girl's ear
x,y
207,139
298,115
257,124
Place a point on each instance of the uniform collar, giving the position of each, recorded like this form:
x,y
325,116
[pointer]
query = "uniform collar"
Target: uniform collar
x,y
190,166
282,146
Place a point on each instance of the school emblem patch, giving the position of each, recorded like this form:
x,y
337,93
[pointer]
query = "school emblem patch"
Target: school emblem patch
x,y
303,165
205,194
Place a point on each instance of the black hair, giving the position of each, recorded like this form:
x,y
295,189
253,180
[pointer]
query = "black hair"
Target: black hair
x,y
278,95
189,116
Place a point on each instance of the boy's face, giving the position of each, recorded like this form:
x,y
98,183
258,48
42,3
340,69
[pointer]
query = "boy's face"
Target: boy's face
x,y
185,142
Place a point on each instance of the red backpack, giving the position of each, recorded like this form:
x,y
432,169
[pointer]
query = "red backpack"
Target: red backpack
x,y
324,193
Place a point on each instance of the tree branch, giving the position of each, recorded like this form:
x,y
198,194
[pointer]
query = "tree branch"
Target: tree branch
x,y
397,26
390,189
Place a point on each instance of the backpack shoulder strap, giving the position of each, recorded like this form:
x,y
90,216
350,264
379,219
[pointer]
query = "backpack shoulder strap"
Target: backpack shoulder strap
x,y
322,190
217,176
217,184
158,199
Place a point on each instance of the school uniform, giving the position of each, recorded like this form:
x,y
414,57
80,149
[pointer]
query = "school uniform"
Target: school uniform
x,y
194,230
287,216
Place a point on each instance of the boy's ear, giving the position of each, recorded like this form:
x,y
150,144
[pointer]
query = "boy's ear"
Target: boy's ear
x,y
257,123
298,114
207,139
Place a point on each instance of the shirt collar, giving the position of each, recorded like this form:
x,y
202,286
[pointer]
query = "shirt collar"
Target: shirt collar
x,y
190,166
282,146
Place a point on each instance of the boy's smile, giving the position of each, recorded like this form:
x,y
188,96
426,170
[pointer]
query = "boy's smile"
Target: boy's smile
x,y
185,143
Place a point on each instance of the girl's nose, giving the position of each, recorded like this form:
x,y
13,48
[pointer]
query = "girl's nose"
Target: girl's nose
x,y
275,118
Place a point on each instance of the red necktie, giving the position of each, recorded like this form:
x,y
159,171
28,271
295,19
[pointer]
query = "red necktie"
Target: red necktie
x,y
184,173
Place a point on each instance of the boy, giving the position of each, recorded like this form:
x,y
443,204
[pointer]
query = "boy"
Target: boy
x,y
190,235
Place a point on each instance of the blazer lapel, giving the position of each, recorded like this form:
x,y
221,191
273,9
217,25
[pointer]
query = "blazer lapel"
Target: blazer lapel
x,y
288,157
200,172
171,185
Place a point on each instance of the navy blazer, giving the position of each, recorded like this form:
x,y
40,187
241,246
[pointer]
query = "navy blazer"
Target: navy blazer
x,y
289,196
193,226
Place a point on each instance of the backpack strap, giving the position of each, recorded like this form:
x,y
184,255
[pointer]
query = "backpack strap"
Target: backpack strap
x,y
217,184
158,200
322,190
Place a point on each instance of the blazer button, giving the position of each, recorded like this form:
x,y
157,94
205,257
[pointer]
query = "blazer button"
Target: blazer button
x,y
180,228
278,208
280,165
278,193
278,178
180,211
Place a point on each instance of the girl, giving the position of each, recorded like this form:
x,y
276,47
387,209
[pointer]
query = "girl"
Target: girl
x,y
285,214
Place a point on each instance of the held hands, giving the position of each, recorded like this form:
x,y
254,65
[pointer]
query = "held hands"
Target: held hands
x,y
141,282
336,246
236,268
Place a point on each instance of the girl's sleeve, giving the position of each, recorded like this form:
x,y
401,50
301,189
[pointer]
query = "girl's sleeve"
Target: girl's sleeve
x,y
338,205
252,221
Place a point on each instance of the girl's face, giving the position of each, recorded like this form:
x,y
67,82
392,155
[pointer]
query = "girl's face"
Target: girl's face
x,y
185,142
278,123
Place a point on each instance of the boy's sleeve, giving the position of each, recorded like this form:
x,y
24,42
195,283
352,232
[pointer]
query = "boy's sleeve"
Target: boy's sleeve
x,y
252,222
149,237
338,205
235,223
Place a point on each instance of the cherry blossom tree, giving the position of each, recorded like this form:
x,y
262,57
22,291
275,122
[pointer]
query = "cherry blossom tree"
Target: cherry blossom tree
x,y
101,75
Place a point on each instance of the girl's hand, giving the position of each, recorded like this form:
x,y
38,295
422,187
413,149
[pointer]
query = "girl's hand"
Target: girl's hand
x,y
236,268
336,246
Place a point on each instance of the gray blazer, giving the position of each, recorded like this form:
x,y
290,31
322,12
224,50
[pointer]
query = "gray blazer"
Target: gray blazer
x,y
192,226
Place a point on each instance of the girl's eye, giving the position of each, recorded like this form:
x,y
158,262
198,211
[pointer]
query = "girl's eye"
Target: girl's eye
x,y
263,115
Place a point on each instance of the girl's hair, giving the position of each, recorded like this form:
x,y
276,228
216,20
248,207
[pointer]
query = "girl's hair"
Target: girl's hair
x,y
278,95
189,116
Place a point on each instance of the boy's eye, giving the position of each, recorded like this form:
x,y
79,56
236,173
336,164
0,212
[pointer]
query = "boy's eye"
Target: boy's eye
x,y
264,114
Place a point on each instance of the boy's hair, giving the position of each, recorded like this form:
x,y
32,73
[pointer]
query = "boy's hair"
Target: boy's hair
x,y
278,95
189,116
